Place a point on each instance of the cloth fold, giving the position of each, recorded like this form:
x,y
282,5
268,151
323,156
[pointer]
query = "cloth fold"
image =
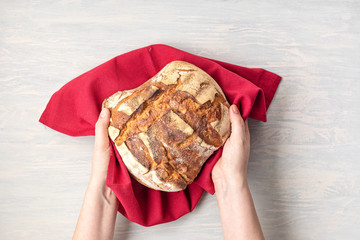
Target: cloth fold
x,y
74,109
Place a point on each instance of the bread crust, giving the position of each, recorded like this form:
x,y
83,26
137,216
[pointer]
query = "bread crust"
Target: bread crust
x,y
165,129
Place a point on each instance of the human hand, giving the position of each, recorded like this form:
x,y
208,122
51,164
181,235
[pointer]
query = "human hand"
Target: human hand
x,y
232,165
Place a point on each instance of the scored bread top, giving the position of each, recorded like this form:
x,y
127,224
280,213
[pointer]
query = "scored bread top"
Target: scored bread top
x,y
165,129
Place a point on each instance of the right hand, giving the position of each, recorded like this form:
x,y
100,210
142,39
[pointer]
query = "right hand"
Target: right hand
x,y
232,165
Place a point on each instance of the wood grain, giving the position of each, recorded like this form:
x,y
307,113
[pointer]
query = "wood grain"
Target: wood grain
x,y
304,169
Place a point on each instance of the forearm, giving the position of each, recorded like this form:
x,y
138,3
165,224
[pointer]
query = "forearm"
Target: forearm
x,y
98,213
237,210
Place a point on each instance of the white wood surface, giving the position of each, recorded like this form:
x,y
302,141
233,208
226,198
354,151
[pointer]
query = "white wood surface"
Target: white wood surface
x,y
304,169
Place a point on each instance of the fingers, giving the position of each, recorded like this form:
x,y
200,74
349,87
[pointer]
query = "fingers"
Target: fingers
x,y
235,155
101,149
101,132
237,123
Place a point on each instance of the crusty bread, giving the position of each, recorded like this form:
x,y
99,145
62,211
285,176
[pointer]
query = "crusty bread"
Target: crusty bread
x,y
167,128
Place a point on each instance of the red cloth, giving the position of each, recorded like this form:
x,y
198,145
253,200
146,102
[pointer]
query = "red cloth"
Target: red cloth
x,y
74,110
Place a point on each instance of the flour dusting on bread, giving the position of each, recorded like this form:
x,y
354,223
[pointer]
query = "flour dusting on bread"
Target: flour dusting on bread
x,y
166,129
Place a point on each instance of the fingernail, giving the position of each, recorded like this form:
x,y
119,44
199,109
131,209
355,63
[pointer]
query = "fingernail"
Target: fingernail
x,y
235,109
103,113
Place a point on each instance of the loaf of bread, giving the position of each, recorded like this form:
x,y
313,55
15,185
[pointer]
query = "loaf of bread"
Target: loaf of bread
x,y
167,128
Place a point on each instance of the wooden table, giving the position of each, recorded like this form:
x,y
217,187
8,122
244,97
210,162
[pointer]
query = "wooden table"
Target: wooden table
x,y
304,170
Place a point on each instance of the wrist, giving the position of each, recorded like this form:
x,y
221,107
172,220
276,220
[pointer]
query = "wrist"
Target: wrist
x,y
224,174
99,190
230,183
97,181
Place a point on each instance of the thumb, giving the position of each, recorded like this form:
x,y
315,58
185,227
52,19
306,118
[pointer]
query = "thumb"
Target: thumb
x,y
237,123
101,132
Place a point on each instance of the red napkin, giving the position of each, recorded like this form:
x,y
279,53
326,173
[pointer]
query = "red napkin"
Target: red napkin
x,y
74,110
